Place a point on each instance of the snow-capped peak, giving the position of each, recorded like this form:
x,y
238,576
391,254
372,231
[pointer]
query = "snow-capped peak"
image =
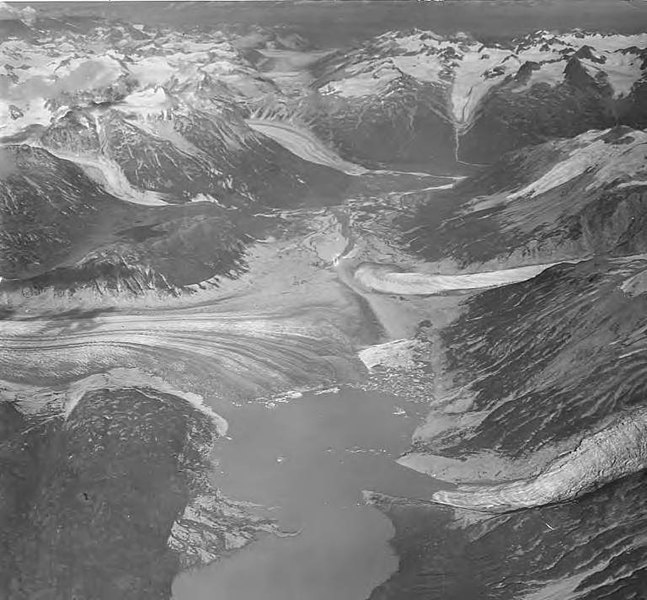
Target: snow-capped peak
x,y
154,101
466,69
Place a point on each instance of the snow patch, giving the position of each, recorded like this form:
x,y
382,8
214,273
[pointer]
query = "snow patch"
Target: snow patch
x,y
361,85
146,103
604,160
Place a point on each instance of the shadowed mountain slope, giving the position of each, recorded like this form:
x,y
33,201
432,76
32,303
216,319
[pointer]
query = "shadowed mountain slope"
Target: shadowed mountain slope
x,y
427,98
544,385
59,224
560,200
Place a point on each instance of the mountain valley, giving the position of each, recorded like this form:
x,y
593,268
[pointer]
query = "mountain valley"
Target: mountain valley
x,y
304,313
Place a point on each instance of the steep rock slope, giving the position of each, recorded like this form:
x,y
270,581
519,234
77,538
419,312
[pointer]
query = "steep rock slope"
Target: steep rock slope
x,y
97,485
153,148
540,404
545,388
94,468
60,227
417,97
592,549
560,200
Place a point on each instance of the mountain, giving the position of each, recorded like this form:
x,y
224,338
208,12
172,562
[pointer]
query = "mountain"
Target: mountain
x,y
61,228
560,200
405,99
528,357
428,250
538,403
104,454
423,97
152,148
152,116
590,549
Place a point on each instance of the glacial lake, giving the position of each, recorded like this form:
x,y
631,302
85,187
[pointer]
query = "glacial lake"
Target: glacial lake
x,y
309,459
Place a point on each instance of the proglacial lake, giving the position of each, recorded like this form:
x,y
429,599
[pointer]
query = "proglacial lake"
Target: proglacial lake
x,y
309,459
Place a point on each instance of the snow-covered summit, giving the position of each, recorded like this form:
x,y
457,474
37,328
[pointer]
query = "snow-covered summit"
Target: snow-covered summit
x,y
466,69
67,70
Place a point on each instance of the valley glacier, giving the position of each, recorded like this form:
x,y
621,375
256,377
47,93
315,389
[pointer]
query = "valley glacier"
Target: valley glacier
x,y
302,302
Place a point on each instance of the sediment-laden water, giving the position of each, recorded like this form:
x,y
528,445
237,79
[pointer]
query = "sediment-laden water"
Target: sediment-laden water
x,y
308,461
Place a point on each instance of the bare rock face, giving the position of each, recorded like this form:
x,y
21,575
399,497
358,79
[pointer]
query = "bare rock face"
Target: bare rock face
x,y
211,527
